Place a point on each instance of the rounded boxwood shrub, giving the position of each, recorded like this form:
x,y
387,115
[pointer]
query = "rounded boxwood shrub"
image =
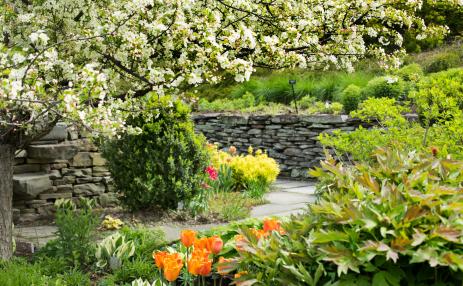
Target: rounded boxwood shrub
x,y
164,164
351,96
385,86
443,62
411,72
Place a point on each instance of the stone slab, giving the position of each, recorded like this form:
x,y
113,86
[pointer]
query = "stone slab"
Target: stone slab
x,y
30,185
306,190
58,132
64,151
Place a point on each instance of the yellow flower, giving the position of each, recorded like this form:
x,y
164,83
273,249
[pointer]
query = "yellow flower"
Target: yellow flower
x,y
250,150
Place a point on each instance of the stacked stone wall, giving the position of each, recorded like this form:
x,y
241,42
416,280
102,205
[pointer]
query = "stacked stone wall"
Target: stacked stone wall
x,y
64,164
290,139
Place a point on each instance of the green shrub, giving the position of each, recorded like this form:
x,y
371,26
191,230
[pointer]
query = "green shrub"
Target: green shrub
x,y
411,72
145,240
306,102
385,86
440,96
351,96
162,166
18,272
393,222
443,62
135,269
76,228
72,278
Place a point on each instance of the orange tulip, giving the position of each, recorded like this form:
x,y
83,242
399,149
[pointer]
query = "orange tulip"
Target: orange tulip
x,y
159,257
273,225
259,233
216,244
224,267
188,237
200,263
201,243
172,266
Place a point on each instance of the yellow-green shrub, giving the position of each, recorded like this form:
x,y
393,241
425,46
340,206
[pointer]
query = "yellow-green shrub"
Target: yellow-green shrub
x,y
250,171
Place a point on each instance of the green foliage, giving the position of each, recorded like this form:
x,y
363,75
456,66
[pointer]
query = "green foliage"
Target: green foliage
x,y
76,227
351,96
443,62
18,272
274,88
230,206
385,86
145,240
440,96
384,111
393,222
135,269
225,181
246,101
163,165
439,101
113,251
410,73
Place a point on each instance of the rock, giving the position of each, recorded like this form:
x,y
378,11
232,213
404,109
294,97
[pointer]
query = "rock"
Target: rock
x,y
69,179
64,188
55,174
26,168
24,248
58,166
28,217
55,196
98,160
233,120
108,200
58,132
82,159
292,152
89,189
79,173
30,185
100,171
36,203
84,180
285,119
255,131
21,154
63,151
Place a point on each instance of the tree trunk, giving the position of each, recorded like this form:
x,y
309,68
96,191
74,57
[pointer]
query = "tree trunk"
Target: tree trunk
x,y
6,201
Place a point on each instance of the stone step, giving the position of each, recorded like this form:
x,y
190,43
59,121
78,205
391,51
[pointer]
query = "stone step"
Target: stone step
x,y
64,151
30,185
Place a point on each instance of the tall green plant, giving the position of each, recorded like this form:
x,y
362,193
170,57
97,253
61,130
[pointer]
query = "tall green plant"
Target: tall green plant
x,y
164,164
393,222
75,236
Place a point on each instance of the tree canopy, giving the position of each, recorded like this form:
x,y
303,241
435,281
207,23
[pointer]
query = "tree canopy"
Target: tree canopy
x,y
93,62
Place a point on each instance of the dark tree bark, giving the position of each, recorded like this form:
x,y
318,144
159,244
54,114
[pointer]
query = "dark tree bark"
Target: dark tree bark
x,y
6,200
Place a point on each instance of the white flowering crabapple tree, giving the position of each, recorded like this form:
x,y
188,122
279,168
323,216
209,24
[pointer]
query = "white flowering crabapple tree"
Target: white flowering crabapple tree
x,y
91,63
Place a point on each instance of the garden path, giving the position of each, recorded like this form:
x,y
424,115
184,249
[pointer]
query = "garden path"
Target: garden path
x,y
286,198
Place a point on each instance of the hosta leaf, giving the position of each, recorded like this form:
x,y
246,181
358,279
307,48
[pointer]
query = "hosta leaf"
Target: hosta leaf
x,y
448,233
328,236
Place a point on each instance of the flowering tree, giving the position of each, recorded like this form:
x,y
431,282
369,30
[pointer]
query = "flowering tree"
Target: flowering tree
x,y
93,62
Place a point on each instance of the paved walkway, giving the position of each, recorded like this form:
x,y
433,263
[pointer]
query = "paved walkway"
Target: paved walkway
x,y
287,198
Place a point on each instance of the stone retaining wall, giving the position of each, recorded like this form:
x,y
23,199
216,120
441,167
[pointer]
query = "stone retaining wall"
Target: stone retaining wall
x,y
63,164
290,139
